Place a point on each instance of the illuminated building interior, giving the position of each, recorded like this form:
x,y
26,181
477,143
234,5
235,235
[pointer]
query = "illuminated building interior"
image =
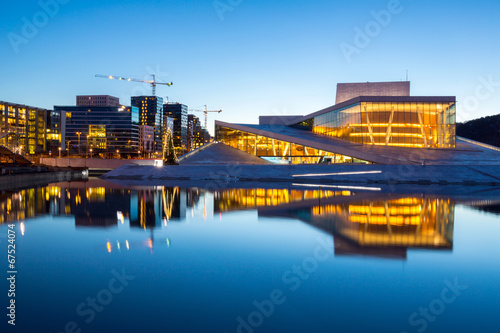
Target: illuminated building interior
x,y
28,126
97,136
333,134
277,149
404,124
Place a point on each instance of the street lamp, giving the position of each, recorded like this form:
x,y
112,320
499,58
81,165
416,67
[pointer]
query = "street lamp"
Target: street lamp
x,y
90,152
60,152
117,153
86,154
78,133
139,152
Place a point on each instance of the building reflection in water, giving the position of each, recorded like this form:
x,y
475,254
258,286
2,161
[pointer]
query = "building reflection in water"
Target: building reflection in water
x,y
99,204
361,224
386,228
243,199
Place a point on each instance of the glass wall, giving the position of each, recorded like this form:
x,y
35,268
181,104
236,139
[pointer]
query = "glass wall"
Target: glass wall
x,y
27,126
404,124
101,128
276,150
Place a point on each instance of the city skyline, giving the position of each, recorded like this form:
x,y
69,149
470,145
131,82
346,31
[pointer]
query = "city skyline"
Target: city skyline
x,y
250,58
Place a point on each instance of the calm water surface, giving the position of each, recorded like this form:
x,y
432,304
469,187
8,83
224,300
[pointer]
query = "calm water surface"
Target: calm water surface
x,y
98,257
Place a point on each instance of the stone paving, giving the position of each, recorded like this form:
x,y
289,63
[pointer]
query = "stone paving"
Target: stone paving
x,y
343,173
221,164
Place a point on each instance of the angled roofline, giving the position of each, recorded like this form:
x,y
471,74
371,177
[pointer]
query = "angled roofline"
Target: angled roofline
x,y
335,145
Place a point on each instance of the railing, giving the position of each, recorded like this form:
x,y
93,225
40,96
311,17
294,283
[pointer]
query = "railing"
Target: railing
x,y
17,153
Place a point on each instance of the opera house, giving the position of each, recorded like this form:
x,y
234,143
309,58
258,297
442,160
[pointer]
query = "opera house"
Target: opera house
x,y
375,122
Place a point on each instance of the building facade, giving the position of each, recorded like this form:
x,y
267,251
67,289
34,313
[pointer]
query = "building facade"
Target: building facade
x,y
27,126
56,132
197,135
97,100
151,114
101,130
168,123
146,140
347,91
179,112
422,122
345,132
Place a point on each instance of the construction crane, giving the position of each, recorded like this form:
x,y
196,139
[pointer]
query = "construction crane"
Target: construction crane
x,y
153,82
206,114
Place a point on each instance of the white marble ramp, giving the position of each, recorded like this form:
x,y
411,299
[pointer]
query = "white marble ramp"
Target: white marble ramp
x,y
219,153
312,173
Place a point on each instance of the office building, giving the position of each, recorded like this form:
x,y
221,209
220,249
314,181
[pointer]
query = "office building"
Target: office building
x,y
168,123
146,140
27,126
179,112
197,135
151,114
56,132
106,130
97,100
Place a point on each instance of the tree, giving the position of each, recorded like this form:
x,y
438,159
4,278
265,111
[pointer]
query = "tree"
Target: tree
x,y
169,157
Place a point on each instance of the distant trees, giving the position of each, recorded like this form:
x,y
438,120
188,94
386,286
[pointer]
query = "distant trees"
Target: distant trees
x,y
486,130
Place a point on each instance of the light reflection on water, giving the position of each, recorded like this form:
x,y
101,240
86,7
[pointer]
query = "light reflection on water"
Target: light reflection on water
x,y
202,259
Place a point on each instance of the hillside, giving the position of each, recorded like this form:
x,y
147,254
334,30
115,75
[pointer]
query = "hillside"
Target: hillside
x,y
486,130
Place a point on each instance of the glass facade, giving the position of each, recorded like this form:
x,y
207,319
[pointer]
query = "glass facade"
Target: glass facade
x,y
54,130
151,114
403,124
179,113
102,129
28,126
277,150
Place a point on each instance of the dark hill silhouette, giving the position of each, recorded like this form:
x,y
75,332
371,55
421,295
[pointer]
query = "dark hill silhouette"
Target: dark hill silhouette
x,y
486,130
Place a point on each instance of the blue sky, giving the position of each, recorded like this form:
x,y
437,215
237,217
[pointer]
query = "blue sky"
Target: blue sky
x,y
250,57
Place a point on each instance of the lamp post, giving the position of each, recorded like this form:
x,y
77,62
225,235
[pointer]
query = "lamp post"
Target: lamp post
x,y
90,152
117,153
78,133
60,152
139,152
87,153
